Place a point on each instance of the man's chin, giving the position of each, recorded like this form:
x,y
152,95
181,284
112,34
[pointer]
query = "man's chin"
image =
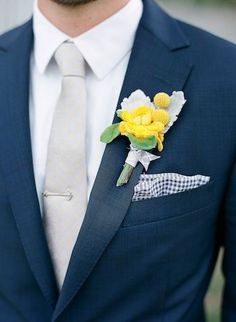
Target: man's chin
x,y
72,3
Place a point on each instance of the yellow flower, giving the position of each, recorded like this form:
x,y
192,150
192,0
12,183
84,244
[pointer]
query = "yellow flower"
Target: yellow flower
x,y
162,100
161,116
144,122
141,115
141,131
160,140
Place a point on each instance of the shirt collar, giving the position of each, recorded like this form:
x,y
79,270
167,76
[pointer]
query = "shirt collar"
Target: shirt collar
x,y
103,47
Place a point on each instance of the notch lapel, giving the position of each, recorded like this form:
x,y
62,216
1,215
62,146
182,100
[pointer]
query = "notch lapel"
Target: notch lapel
x,y
155,65
16,156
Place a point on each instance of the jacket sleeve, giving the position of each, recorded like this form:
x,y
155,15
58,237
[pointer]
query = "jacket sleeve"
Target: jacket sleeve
x,y
229,243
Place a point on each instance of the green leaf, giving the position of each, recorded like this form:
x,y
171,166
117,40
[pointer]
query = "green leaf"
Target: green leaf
x,y
110,133
143,144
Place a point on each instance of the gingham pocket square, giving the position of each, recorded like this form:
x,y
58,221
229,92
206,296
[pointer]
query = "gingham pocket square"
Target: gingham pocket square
x,y
163,184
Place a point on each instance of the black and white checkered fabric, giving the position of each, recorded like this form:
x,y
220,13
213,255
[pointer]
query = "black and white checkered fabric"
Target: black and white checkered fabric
x,y
163,184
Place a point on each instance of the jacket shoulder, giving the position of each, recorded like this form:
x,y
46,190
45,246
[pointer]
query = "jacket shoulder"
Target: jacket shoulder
x,y
207,44
10,36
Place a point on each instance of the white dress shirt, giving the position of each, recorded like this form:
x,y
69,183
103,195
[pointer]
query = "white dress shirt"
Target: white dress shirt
x,y
106,49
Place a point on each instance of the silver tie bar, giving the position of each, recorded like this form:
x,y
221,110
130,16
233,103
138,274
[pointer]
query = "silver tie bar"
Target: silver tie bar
x,y
68,195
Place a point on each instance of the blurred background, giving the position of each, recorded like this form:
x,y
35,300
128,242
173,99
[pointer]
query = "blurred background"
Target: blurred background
x,y
216,16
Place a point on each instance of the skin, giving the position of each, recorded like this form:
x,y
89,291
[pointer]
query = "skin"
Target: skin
x,y
74,17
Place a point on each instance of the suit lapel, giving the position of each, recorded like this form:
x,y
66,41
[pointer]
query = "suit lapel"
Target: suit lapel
x,y
155,65
16,157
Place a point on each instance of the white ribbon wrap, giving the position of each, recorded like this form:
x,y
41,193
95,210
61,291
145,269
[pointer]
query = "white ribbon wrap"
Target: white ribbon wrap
x,y
143,157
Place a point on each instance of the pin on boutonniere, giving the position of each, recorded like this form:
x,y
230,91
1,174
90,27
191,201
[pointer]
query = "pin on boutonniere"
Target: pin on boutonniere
x,y
144,123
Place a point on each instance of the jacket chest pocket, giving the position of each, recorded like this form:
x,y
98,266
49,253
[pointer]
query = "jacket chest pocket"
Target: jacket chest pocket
x,y
170,206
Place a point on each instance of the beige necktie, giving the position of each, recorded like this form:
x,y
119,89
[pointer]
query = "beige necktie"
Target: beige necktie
x,y
65,193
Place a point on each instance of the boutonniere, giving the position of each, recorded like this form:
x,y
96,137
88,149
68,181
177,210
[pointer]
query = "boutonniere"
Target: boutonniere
x,y
144,123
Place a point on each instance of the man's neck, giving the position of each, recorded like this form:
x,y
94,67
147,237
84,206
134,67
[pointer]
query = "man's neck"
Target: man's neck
x,y
74,21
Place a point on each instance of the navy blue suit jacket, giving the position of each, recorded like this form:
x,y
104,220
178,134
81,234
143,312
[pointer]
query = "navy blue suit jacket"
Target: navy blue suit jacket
x,y
133,261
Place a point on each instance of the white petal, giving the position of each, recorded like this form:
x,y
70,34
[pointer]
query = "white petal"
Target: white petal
x,y
136,99
177,102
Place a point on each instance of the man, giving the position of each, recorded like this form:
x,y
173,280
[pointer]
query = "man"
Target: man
x,y
74,247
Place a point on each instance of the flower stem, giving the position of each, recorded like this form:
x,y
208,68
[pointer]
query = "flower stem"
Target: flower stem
x,y
125,175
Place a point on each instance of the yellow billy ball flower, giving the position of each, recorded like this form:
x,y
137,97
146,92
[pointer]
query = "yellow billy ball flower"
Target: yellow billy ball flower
x,y
161,116
162,100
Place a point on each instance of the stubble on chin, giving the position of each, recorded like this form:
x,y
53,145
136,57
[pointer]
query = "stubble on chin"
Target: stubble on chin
x,y
72,3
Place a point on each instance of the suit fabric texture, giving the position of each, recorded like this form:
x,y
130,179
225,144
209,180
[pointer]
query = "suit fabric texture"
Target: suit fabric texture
x,y
150,260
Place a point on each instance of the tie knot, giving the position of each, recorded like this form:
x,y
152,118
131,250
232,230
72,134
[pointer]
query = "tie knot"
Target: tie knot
x,y
69,60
